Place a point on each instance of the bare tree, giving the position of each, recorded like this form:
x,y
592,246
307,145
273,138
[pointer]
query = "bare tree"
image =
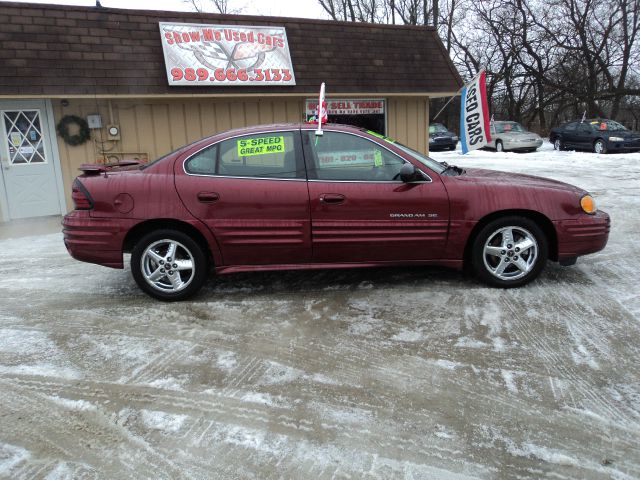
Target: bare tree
x,y
217,6
546,60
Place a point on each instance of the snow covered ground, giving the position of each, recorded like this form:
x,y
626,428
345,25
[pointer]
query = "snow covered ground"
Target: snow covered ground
x,y
389,373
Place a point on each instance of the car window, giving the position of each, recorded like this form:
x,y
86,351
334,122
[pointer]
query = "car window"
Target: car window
x,y
203,162
265,155
508,127
571,126
346,157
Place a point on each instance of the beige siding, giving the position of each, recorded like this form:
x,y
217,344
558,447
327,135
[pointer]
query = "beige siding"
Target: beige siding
x,y
154,127
407,119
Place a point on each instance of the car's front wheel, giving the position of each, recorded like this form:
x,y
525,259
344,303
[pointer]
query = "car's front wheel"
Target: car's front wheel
x,y
168,265
499,146
509,252
600,146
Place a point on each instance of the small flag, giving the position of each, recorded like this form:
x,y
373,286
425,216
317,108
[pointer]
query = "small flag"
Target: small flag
x,y
474,115
321,114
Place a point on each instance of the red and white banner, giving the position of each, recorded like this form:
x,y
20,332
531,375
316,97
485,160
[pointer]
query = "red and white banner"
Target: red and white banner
x,y
474,115
223,55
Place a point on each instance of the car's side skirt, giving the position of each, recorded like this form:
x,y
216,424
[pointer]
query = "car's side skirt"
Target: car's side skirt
x,y
455,264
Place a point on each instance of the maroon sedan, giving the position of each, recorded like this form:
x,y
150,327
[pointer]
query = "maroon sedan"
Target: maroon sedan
x,y
281,197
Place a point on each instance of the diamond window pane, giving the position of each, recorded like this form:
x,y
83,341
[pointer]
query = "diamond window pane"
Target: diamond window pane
x,y
24,137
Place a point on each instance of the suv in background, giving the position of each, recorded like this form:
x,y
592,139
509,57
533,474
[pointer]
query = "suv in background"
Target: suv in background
x,y
440,138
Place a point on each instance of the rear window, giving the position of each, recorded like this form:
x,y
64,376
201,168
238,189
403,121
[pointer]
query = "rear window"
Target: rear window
x,y
264,155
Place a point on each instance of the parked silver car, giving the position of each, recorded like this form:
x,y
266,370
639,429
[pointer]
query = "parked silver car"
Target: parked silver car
x,y
513,136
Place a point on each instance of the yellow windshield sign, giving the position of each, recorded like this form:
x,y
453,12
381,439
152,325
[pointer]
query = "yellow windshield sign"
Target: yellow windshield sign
x,y
379,135
260,146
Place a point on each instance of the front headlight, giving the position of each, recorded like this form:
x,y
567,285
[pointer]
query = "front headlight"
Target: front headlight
x,y
616,139
454,138
588,204
431,140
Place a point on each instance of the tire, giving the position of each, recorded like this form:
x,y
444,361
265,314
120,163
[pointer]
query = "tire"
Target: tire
x,y
558,144
495,259
600,146
188,265
499,146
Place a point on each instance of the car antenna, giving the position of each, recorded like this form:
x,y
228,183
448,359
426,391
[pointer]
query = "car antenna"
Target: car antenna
x,y
584,116
321,112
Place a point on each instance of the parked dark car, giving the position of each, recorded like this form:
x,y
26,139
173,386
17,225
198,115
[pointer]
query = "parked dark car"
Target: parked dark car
x,y
280,197
441,138
595,135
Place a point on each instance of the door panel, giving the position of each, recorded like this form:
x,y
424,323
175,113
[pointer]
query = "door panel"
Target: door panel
x,y
375,220
378,221
28,170
256,221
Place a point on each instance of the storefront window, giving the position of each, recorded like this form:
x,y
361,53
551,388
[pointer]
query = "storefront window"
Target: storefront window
x,y
367,113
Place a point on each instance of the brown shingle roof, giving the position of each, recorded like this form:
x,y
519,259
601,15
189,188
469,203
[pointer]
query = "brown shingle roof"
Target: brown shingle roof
x,y
65,50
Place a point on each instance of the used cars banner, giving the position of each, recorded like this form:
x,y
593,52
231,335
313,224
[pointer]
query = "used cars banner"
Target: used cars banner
x,y
474,115
196,55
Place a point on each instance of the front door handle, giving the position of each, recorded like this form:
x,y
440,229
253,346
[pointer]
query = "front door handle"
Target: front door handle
x,y
208,197
332,198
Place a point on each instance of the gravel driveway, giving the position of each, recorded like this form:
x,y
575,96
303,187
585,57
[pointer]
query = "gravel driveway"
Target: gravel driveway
x,y
419,373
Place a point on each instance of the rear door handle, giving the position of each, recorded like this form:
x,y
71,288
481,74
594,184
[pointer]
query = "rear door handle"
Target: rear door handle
x,y
332,198
208,197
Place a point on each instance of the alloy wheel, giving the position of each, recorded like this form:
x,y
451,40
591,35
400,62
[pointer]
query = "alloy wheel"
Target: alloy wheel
x,y
510,253
167,266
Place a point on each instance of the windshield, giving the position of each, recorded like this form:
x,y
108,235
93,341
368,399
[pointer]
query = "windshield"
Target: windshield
x,y
608,125
506,127
437,128
426,161
423,159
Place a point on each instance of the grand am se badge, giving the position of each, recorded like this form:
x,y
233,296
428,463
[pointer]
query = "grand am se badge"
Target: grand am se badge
x,y
413,215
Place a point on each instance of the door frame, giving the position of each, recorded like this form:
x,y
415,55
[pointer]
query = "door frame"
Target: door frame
x,y
49,131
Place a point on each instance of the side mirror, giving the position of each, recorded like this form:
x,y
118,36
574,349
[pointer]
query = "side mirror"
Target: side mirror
x,y
408,173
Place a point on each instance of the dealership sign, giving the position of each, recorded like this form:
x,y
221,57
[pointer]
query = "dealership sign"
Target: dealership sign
x,y
361,106
205,55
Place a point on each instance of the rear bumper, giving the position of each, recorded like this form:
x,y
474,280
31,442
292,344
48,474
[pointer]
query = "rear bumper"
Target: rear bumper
x,y
94,240
588,234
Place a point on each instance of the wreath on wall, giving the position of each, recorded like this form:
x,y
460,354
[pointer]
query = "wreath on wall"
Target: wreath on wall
x,y
82,126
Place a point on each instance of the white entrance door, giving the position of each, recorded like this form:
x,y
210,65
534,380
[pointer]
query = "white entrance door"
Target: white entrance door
x,y
29,166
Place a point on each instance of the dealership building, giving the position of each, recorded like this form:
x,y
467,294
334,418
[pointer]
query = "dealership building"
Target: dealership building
x,y
91,84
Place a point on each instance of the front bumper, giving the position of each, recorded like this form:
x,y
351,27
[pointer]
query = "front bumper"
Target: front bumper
x,y
442,143
522,145
588,234
94,240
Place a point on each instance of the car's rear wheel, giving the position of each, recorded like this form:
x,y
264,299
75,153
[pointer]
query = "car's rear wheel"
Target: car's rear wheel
x,y
499,146
558,144
600,146
509,252
168,265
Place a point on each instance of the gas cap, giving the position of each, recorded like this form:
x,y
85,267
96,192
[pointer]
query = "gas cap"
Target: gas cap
x,y
123,203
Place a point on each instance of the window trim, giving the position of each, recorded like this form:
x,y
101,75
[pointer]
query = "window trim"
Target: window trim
x,y
305,148
296,179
